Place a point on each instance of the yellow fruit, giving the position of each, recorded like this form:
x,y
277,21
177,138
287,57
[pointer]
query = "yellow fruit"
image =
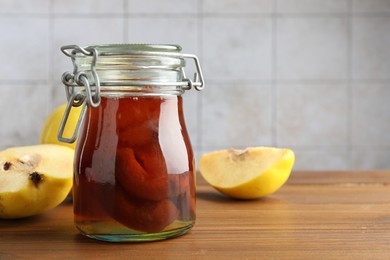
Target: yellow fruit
x,y
52,124
34,179
247,174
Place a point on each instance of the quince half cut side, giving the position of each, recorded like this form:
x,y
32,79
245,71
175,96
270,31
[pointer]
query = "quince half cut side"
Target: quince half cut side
x,y
34,179
247,174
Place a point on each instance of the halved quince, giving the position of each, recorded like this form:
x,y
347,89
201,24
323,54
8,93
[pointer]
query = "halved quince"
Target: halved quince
x,y
34,179
247,174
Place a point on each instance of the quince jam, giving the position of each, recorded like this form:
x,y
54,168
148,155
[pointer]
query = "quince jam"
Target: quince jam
x,y
134,168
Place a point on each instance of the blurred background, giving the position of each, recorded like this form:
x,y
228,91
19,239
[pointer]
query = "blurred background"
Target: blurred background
x,y
312,75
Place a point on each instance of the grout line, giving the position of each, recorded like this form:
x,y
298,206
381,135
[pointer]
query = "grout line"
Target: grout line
x,y
115,15
274,85
349,84
195,15
24,15
199,97
257,15
182,15
125,21
303,81
21,82
49,93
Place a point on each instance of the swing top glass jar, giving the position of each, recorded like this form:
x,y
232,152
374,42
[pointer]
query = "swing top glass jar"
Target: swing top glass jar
x,y
134,174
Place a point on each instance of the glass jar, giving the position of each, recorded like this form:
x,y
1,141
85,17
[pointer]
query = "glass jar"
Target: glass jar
x,y
134,176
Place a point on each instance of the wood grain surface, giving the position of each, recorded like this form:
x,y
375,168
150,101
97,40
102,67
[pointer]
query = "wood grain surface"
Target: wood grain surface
x,y
315,215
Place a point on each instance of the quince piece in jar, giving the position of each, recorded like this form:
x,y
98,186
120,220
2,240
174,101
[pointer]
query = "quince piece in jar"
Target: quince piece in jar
x,y
143,215
142,174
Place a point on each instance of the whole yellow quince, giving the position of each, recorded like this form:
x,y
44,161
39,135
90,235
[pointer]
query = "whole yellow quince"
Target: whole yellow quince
x,y
52,124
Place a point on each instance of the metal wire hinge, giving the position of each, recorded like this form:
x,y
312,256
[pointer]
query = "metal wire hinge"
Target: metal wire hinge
x,y
198,82
75,99
80,77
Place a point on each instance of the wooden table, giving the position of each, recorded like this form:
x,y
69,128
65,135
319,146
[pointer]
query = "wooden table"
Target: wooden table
x,y
316,215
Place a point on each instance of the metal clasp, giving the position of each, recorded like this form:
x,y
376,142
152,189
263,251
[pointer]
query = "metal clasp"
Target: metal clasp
x,y
80,77
75,99
198,82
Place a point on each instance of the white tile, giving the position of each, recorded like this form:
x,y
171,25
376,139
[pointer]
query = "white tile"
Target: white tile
x,y
88,7
236,115
57,95
371,158
312,6
312,115
237,7
371,114
321,159
24,7
312,48
168,30
94,31
371,52
23,48
162,7
237,49
371,6
99,30
22,124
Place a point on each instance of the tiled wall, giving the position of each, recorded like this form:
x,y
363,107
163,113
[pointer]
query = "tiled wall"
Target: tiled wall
x,y
313,75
